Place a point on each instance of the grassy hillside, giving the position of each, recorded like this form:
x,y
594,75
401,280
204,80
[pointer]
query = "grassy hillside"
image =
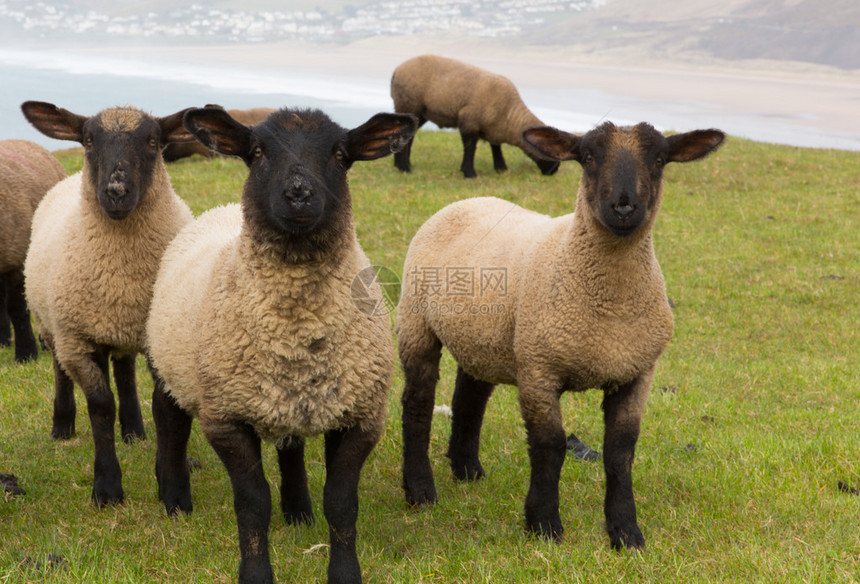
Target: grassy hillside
x,y
752,424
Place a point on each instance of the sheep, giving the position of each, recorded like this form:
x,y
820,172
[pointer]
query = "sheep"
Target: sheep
x,y
549,305
256,330
480,104
27,171
175,151
94,252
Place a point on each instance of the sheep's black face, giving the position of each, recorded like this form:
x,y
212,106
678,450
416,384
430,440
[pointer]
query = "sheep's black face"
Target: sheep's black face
x,y
622,175
622,167
121,147
296,197
297,183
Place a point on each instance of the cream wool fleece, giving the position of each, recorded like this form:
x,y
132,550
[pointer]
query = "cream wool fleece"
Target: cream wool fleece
x,y
579,309
27,172
239,335
89,278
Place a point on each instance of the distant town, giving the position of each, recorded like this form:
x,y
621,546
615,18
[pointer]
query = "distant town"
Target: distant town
x,y
199,23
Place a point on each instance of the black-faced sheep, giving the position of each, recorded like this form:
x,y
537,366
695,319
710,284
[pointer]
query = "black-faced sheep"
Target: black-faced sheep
x,y
480,104
27,171
249,117
96,244
255,329
550,305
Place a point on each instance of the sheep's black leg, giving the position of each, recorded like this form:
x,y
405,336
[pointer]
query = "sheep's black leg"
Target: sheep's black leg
x,y
107,479
238,446
295,497
470,144
421,372
498,159
345,453
130,417
64,404
5,324
16,307
622,411
172,429
402,157
469,404
547,445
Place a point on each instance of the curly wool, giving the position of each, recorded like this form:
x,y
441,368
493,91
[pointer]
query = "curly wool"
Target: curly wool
x,y
89,278
572,309
27,171
241,335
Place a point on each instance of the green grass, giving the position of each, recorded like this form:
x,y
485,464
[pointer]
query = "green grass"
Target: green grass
x,y
760,249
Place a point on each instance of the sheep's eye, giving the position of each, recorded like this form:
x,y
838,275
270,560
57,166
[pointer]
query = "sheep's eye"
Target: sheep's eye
x,y
88,142
660,162
153,143
339,155
258,152
588,158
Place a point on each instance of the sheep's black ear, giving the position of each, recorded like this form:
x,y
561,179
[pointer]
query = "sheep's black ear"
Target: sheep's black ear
x,y
550,143
693,145
381,135
54,121
173,130
218,131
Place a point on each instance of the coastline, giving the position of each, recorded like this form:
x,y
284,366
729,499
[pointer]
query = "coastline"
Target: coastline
x,y
783,102
809,96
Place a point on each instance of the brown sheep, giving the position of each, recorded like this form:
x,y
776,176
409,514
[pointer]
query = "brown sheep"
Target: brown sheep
x,y
480,104
27,171
250,117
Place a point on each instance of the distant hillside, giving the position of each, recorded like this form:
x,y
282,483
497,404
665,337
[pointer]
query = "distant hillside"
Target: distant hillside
x,y
825,32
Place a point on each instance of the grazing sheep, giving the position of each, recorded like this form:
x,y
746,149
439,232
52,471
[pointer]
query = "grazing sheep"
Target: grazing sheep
x,y
550,305
27,171
97,241
249,117
480,104
257,331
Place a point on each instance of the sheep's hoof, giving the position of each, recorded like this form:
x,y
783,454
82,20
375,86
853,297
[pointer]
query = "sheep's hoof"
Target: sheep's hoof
x,y
181,503
26,355
467,470
63,431
419,495
297,510
631,539
107,497
548,530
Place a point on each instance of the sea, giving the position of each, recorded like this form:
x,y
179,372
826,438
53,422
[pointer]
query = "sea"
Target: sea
x,y
87,84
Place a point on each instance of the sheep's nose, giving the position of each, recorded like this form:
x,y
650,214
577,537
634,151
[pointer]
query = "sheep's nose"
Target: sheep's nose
x,y
116,187
623,207
297,191
623,210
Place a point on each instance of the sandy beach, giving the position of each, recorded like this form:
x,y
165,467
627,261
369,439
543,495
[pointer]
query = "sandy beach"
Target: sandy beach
x,y
734,95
